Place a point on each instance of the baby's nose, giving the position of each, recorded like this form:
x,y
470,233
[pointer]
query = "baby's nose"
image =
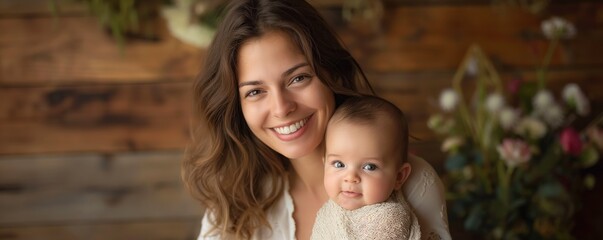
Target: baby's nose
x,y
352,177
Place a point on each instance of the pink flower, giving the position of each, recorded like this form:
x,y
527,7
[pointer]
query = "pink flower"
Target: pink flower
x,y
514,152
570,141
514,85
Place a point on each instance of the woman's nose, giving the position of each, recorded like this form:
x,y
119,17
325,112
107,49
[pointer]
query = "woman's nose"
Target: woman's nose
x,y
351,177
283,104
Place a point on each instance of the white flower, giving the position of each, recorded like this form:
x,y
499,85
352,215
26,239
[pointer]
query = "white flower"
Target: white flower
x,y
178,22
472,67
542,100
508,117
575,98
448,100
553,115
514,152
495,102
531,127
556,27
452,143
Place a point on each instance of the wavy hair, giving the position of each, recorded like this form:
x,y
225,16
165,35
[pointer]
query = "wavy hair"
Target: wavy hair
x,y
226,167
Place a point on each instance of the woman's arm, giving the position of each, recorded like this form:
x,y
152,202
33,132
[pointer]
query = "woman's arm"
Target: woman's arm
x,y
424,192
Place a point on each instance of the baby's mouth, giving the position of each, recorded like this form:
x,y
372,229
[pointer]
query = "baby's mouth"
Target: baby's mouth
x,y
351,194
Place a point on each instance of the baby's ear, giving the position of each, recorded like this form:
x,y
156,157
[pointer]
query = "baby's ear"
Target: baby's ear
x,y
402,175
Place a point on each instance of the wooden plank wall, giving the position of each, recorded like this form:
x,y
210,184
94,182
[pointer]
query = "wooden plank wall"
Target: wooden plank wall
x,y
91,140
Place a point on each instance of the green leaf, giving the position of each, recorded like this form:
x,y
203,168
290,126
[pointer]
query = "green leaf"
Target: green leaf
x,y
589,157
475,217
478,157
550,190
589,181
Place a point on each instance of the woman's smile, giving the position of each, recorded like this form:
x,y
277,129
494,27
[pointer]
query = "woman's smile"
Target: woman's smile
x,y
289,132
290,129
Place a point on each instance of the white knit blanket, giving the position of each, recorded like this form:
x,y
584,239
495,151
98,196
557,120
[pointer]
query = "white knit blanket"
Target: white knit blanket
x,y
388,220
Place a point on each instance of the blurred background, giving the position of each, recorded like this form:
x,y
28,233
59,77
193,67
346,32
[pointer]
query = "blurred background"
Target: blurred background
x,y
95,99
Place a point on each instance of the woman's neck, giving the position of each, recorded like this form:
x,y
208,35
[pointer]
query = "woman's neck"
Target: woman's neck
x,y
308,174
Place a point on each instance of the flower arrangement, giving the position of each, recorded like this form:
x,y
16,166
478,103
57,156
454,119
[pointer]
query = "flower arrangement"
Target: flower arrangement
x,y
516,155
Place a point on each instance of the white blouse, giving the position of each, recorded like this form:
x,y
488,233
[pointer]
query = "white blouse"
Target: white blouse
x,y
423,190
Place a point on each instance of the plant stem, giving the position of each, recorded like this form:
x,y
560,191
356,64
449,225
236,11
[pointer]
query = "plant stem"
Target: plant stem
x,y
545,62
505,183
456,85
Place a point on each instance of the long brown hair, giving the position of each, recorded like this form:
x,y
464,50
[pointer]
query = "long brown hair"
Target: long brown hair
x,y
226,167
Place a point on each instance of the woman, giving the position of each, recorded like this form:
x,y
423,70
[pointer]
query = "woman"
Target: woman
x,y
272,78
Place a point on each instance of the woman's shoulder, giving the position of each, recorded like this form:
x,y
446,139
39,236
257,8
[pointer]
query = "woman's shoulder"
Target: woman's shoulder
x,y
425,193
423,181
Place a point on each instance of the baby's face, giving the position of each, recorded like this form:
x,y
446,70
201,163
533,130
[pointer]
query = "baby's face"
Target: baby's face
x,y
361,163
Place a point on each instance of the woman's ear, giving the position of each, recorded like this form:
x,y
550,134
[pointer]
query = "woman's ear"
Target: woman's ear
x,y
402,175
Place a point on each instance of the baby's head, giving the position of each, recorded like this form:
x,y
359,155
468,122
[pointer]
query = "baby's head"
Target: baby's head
x,y
365,152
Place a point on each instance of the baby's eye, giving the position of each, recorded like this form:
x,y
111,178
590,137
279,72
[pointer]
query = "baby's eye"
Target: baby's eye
x,y
338,164
369,167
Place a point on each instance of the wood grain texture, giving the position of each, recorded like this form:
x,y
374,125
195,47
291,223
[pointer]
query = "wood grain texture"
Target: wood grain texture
x,y
27,8
428,38
106,118
423,38
76,50
91,187
168,229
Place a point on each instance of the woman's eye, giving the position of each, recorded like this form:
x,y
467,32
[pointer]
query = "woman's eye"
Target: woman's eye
x,y
299,78
370,167
252,93
338,164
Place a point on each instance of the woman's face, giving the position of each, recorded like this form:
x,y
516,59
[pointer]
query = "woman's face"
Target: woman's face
x,y
284,103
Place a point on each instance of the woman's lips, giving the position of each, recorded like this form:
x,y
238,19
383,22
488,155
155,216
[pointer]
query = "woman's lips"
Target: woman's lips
x,y
291,128
292,131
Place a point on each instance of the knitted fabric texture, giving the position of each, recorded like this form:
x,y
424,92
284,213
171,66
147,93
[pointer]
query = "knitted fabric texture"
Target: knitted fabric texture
x,y
388,220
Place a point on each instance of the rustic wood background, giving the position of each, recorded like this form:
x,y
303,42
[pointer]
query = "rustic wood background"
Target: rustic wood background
x,y
91,140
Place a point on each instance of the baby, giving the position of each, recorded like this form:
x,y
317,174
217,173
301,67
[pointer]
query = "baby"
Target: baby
x,y
365,165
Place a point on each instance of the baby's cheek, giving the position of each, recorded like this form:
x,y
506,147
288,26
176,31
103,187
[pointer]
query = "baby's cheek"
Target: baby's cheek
x,y
379,191
331,186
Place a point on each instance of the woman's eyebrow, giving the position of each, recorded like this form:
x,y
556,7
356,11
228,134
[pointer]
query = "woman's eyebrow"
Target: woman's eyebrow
x,y
292,69
285,74
252,83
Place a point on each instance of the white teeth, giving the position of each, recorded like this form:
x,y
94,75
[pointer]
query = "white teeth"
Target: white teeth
x,y
291,128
